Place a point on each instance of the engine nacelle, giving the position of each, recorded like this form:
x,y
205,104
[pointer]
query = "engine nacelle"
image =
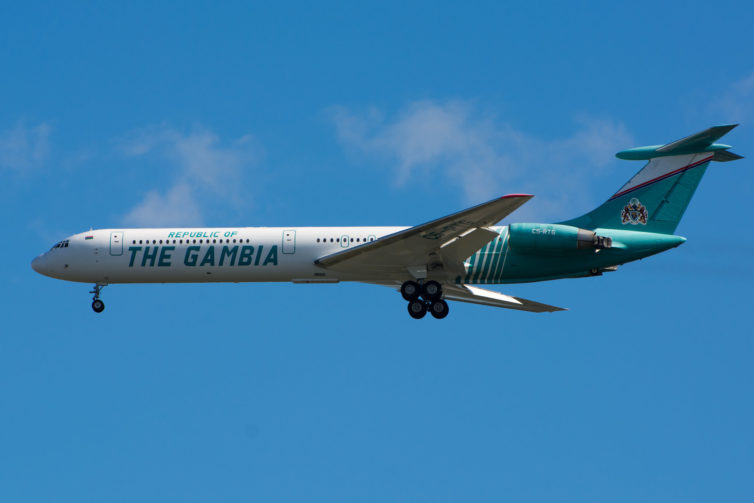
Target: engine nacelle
x,y
554,237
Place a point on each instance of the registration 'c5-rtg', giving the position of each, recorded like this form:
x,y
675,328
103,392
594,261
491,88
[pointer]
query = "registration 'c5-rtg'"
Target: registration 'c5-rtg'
x,y
430,263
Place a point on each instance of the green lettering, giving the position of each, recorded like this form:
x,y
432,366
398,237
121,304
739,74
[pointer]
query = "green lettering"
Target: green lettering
x,y
149,257
230,253
259,254
192,253
246,254
171,234
165,256
272,256
209,257
133,250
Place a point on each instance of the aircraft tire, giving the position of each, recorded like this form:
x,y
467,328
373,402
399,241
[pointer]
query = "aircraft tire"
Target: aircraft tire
x,y
432,290
98,306
439,309
410,290
417,309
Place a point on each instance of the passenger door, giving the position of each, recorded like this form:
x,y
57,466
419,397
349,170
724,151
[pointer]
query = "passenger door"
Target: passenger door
x,y
116,243
289,241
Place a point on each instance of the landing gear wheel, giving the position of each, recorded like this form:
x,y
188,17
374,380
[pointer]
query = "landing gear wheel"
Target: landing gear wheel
x,y
97,304
410,290
432,290
417,309
439,309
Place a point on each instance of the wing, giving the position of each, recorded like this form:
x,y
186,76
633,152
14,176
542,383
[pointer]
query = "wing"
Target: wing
x,y
474,295
442,243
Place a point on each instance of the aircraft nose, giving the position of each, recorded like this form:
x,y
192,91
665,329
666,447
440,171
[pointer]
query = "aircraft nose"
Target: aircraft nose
x,y
38,264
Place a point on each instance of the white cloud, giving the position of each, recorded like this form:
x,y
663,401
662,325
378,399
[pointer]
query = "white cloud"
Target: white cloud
x,y
24,147
207,170
177,206
736,103
455,142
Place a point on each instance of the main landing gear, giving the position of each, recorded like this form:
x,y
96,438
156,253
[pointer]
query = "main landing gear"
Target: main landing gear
x,y
423,297
97,304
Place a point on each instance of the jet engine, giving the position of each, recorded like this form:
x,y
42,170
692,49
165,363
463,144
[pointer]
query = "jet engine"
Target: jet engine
x,y
554,237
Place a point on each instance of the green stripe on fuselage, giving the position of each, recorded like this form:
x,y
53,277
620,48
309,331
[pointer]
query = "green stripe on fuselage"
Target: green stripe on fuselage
x,y
470,268
498,259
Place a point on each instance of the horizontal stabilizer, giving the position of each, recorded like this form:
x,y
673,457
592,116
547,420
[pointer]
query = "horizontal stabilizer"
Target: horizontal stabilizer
x,y
725,156
703,141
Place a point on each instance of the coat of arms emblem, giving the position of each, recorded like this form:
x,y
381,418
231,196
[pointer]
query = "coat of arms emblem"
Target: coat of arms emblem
x,y
634,213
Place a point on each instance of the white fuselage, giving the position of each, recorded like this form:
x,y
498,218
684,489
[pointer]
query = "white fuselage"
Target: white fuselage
x,y
237,254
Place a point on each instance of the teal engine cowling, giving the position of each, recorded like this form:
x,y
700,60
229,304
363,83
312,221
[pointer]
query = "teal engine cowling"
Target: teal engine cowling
x,y
554,238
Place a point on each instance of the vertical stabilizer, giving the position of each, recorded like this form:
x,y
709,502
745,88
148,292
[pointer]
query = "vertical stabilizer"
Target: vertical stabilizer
x,y
655,198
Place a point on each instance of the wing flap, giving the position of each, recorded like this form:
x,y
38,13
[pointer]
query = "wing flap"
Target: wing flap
x,y
462,247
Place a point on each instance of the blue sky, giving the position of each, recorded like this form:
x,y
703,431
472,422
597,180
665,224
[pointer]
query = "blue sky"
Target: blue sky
x,y
370,114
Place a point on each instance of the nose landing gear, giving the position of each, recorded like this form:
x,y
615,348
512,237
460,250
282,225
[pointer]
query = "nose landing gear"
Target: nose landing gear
x,y
424,297
97,305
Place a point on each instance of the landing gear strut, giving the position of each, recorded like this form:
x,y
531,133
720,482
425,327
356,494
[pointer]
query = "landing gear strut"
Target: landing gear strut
x,y
97,304
424,297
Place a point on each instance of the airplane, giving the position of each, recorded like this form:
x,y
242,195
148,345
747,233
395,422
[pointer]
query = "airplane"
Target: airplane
x,y
430,264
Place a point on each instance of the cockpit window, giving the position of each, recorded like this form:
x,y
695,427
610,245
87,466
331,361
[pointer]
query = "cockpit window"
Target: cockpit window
x,y
62,244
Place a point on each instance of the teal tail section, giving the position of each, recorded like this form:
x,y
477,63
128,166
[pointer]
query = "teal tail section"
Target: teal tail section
x,y
655,199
